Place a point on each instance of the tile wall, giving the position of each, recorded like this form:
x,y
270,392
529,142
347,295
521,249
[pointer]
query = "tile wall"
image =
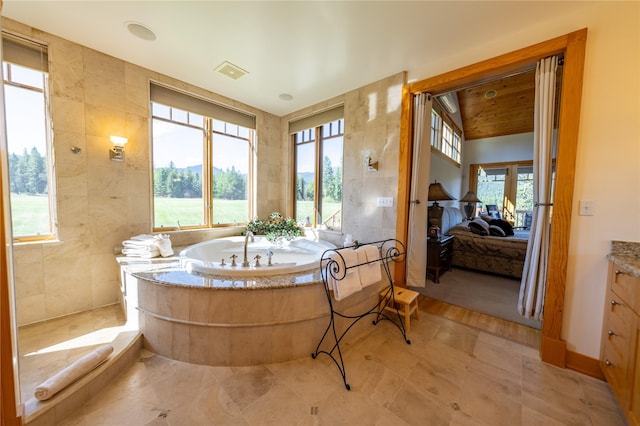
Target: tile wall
x,y
101,203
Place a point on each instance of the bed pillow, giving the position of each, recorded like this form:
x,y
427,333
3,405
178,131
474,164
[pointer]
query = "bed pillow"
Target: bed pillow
x,y
486,218
479,226
504,225
496,231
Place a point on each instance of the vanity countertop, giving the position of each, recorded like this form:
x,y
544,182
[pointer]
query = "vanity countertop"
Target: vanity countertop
x,y
627,255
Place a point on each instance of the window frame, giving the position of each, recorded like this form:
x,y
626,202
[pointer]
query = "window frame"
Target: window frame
x,y
32,55
318,140
207,181
510,185
450,149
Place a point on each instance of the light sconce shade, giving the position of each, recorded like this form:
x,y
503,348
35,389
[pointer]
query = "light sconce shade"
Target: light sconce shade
x,y
437,193
117,152
470,208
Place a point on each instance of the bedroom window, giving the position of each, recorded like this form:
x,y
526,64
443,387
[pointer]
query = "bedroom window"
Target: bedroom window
x,y
317,171
509,186
28,127
203,162
446,137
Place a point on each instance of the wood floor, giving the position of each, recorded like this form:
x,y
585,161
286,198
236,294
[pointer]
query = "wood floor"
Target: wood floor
x,y
509,330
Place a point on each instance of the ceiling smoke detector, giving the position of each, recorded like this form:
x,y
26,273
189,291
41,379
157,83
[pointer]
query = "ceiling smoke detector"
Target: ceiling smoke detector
x,y
230,70
490,94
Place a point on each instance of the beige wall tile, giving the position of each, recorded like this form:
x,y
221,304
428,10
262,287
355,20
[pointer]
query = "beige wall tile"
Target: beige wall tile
x,y
102,203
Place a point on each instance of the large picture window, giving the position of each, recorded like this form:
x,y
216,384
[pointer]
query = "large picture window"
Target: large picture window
x,y
25,72
202,162
509,186
318,163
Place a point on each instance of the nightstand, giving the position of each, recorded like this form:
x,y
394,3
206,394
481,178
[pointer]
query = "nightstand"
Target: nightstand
x,y
439,256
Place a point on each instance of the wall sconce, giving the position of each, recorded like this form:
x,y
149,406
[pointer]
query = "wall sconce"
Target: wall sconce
x,y
117,152
372,166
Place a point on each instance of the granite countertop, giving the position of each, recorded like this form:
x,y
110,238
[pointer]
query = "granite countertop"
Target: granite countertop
x,y
627,255
168,271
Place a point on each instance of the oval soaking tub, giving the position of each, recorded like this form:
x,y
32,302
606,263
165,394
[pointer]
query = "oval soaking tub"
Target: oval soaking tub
x,y
299,255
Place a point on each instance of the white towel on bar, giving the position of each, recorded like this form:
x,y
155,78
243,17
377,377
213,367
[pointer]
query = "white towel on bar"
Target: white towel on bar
x,y
351,282
369,272
73,372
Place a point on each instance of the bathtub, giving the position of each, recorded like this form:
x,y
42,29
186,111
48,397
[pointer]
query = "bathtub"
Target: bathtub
x,y
270,315
214,257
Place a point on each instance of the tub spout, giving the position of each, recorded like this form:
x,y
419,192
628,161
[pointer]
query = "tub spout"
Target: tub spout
x,y
249,235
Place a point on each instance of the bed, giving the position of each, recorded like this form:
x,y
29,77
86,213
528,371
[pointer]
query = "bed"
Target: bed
x,y
496,255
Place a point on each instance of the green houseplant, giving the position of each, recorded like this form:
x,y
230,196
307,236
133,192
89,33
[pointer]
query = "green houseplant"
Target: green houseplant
x,y
275,227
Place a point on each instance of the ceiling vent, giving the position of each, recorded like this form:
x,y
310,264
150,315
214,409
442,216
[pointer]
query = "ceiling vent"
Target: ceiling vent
x,y
230,70
447,100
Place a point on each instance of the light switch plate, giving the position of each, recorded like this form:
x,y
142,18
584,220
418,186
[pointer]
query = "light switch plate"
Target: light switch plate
x,y
384,202
587,208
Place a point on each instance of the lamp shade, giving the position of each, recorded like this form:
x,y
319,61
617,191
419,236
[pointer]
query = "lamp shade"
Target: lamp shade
x,y
438,193
470,208
470,197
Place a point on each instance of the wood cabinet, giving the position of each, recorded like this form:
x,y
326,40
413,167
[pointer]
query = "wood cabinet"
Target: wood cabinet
x,y
439,256
620,351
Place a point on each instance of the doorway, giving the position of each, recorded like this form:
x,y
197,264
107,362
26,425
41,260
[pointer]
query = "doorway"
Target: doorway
x,y
572,45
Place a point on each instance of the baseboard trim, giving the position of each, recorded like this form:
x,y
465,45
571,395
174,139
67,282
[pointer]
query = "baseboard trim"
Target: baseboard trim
x,y
553,351
584,364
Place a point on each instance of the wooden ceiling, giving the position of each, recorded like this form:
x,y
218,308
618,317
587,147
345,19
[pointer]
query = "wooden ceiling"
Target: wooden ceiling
x,y
510,111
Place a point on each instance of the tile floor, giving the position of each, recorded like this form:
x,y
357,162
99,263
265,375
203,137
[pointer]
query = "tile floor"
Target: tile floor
x,y
451,374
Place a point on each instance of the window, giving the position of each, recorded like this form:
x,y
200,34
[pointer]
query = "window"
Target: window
x,y
318,160
202,162
508,186
446,137
25,71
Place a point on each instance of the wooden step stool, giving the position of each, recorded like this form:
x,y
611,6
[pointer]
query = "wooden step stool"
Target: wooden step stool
x,y
406,303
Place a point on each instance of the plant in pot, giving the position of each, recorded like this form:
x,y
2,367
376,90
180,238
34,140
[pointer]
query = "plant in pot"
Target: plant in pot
x,y
276,229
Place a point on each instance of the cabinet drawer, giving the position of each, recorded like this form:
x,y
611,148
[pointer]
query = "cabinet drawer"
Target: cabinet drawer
x,y
625,285
616,373
617,339
618,313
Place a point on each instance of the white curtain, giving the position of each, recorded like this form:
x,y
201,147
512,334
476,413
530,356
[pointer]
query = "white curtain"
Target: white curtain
x,y
532,286
417,238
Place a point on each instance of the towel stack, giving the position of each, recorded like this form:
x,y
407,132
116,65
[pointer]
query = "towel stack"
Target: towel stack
x,y
359,272
147,246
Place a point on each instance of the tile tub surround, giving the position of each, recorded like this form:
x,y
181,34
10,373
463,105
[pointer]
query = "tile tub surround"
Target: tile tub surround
x,y
626,254
223,321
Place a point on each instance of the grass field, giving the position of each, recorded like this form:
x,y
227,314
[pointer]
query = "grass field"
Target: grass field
x,y
30,214
189,211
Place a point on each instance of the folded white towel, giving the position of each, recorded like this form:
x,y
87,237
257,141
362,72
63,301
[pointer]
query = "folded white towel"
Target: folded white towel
x,y
369,273
138,245
131,252
351,282
143,237
73,372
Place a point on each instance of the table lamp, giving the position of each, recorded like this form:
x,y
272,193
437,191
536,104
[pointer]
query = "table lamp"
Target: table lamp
x,y
470,208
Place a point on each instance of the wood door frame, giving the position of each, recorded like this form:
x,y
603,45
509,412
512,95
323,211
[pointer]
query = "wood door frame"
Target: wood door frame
x,y
552,349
